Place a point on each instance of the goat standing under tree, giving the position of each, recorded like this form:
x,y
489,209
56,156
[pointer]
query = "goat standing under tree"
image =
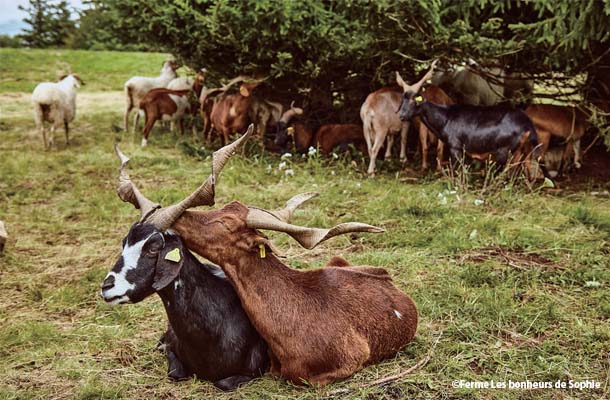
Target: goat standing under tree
x,y
320,325
480,132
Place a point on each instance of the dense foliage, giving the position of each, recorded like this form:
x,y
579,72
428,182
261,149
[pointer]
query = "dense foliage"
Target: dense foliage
x,y
50,23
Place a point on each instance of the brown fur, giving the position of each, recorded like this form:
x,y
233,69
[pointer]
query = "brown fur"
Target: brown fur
x,y
567,123
328,137
229,113
435,95
321,325
157,103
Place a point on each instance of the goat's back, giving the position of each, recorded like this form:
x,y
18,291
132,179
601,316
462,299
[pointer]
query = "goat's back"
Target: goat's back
x,y
332,135
558,120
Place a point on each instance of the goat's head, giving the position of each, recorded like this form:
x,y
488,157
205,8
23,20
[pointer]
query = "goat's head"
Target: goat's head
x,y
76,80
409,105
283,131
171,63
150,260
145,249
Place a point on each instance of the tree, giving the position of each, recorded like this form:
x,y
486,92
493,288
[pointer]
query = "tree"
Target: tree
x,y
51,24
332,54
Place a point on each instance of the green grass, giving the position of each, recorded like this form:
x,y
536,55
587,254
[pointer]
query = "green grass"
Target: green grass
x,y
517,286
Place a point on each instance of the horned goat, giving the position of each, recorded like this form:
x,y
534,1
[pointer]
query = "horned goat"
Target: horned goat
x,y
320,325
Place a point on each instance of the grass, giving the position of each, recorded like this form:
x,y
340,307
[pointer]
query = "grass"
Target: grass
x,y
516,287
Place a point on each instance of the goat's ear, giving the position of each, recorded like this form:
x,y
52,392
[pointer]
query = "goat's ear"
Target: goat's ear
x,y
169,264
78,78
61,78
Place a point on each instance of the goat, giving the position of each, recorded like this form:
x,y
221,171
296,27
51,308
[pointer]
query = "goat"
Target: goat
x,y
320,325
3,236
435,95
478,131
566,123
185,83
327,137
55,103
209,335
379,121
231,112
137,87
165,104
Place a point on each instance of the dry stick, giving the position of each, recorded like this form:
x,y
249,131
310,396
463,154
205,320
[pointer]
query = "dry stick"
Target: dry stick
x,y
391,378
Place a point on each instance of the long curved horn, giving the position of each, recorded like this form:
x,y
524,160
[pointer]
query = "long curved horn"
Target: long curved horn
x,y
307,237
284,214
417,86
128,192
204,195
287,116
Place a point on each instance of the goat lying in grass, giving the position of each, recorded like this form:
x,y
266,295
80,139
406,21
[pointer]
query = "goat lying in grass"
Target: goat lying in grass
x,y
55,103
209,335
320,325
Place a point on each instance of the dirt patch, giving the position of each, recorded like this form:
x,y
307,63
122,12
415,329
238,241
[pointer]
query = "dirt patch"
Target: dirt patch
x,y
514,257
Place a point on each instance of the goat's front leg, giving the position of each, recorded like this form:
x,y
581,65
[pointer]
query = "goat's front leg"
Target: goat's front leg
x,y
389,144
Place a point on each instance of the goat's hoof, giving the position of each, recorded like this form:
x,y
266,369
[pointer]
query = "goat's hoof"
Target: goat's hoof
x,y
144,142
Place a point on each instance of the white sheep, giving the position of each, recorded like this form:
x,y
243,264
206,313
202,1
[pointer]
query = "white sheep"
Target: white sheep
x,y
138,86
55,103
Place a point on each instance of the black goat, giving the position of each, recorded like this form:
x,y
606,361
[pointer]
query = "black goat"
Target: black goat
x,y
478,131
209,334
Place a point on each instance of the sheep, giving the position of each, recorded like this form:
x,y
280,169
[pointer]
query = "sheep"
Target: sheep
x,y
478,131
209,335
320,325
137,87
55,103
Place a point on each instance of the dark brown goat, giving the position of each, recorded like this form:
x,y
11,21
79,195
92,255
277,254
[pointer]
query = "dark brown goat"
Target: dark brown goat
x,y
435,95
326,138
567,123
321,325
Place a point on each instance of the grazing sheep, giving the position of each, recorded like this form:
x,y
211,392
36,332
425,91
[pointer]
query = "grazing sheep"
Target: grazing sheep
x,y
55,103
138,86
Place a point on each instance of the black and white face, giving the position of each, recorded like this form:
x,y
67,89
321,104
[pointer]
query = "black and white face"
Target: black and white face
x,y
144,266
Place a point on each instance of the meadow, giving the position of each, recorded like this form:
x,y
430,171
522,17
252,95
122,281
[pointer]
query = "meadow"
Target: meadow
x,y
510,284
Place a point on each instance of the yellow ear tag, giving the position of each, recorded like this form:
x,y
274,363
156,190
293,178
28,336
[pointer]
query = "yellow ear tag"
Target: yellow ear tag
x,y
174,255
290,131
261,247
419,99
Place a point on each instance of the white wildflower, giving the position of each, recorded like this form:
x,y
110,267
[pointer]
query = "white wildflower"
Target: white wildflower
x,y
311,151
282,165
289,172
286,156
478,202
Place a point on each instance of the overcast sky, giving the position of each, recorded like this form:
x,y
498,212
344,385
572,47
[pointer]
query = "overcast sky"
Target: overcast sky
x,y
11,15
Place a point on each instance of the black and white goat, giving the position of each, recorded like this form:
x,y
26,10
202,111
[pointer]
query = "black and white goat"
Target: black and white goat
x,y
209,334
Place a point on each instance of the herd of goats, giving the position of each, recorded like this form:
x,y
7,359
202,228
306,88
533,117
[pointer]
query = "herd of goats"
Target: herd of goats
x,y
483,125
250,313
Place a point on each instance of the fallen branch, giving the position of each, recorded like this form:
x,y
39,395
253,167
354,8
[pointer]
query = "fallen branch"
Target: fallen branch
x,y
391,378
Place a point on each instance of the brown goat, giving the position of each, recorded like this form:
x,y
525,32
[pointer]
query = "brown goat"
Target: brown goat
x,y
230,113
435,95
321,325
160,104
326,138
566,123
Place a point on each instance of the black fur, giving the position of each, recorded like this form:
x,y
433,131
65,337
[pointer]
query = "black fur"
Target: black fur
x,y
209,334
474,129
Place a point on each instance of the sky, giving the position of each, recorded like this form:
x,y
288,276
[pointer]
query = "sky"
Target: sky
x,y
11,15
